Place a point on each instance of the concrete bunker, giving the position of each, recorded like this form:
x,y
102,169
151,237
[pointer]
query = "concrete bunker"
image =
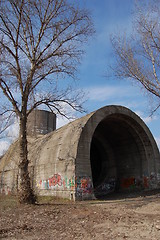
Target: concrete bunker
x,y
108,150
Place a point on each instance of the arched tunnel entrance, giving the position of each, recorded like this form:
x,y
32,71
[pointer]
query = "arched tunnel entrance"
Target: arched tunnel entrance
x,y
117,156
116,152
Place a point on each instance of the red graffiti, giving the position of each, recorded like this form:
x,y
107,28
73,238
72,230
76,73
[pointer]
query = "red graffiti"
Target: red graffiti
x,y
84,184
133,182
127,182
145,182
55,180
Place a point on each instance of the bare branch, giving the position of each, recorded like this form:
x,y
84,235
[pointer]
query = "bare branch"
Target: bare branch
x,y
138,56
7,92
6,120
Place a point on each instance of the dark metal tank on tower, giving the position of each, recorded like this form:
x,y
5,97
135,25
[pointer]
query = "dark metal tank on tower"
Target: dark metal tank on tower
x,y
41,122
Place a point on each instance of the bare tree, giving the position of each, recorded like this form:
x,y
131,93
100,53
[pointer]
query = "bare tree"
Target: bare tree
x,y
40,43
138,54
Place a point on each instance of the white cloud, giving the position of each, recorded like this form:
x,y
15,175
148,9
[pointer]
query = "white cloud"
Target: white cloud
x,y
4,145
61,121
106,92
13,130
101,93
10,135
146,119
68,112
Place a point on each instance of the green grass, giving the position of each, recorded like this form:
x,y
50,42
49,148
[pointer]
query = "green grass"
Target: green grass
x,y
45,199
51,200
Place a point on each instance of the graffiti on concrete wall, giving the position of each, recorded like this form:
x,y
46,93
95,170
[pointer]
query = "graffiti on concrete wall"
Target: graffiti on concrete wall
x,y
57,181
84,185
145,182
158,177
154,180
128,182
69,183
107,186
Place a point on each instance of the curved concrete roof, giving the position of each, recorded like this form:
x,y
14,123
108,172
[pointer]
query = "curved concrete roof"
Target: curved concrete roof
x,y
57,145
64,143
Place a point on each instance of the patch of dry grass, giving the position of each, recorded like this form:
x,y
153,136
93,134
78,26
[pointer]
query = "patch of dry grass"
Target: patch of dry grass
x,y
8,202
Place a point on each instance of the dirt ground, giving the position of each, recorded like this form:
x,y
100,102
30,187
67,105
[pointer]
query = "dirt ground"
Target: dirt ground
x,y
117,217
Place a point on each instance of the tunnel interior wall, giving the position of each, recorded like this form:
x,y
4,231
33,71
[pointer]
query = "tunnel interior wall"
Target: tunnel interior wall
x,y
117,156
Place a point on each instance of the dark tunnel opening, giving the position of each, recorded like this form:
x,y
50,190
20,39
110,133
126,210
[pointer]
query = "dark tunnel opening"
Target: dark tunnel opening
x,y
117,156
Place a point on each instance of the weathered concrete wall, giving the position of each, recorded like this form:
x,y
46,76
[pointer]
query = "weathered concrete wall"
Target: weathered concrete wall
x,y
52,162
107,150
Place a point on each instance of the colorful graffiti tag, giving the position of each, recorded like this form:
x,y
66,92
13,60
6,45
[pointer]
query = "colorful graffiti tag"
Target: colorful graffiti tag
x,y
82,184
144,182
128,182
107,186
57,182
69,183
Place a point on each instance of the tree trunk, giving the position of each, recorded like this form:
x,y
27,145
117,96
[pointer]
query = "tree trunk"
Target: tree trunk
x,y
25,191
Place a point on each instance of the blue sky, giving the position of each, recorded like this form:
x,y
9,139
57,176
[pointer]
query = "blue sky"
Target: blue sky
x,y
111,17
94,73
